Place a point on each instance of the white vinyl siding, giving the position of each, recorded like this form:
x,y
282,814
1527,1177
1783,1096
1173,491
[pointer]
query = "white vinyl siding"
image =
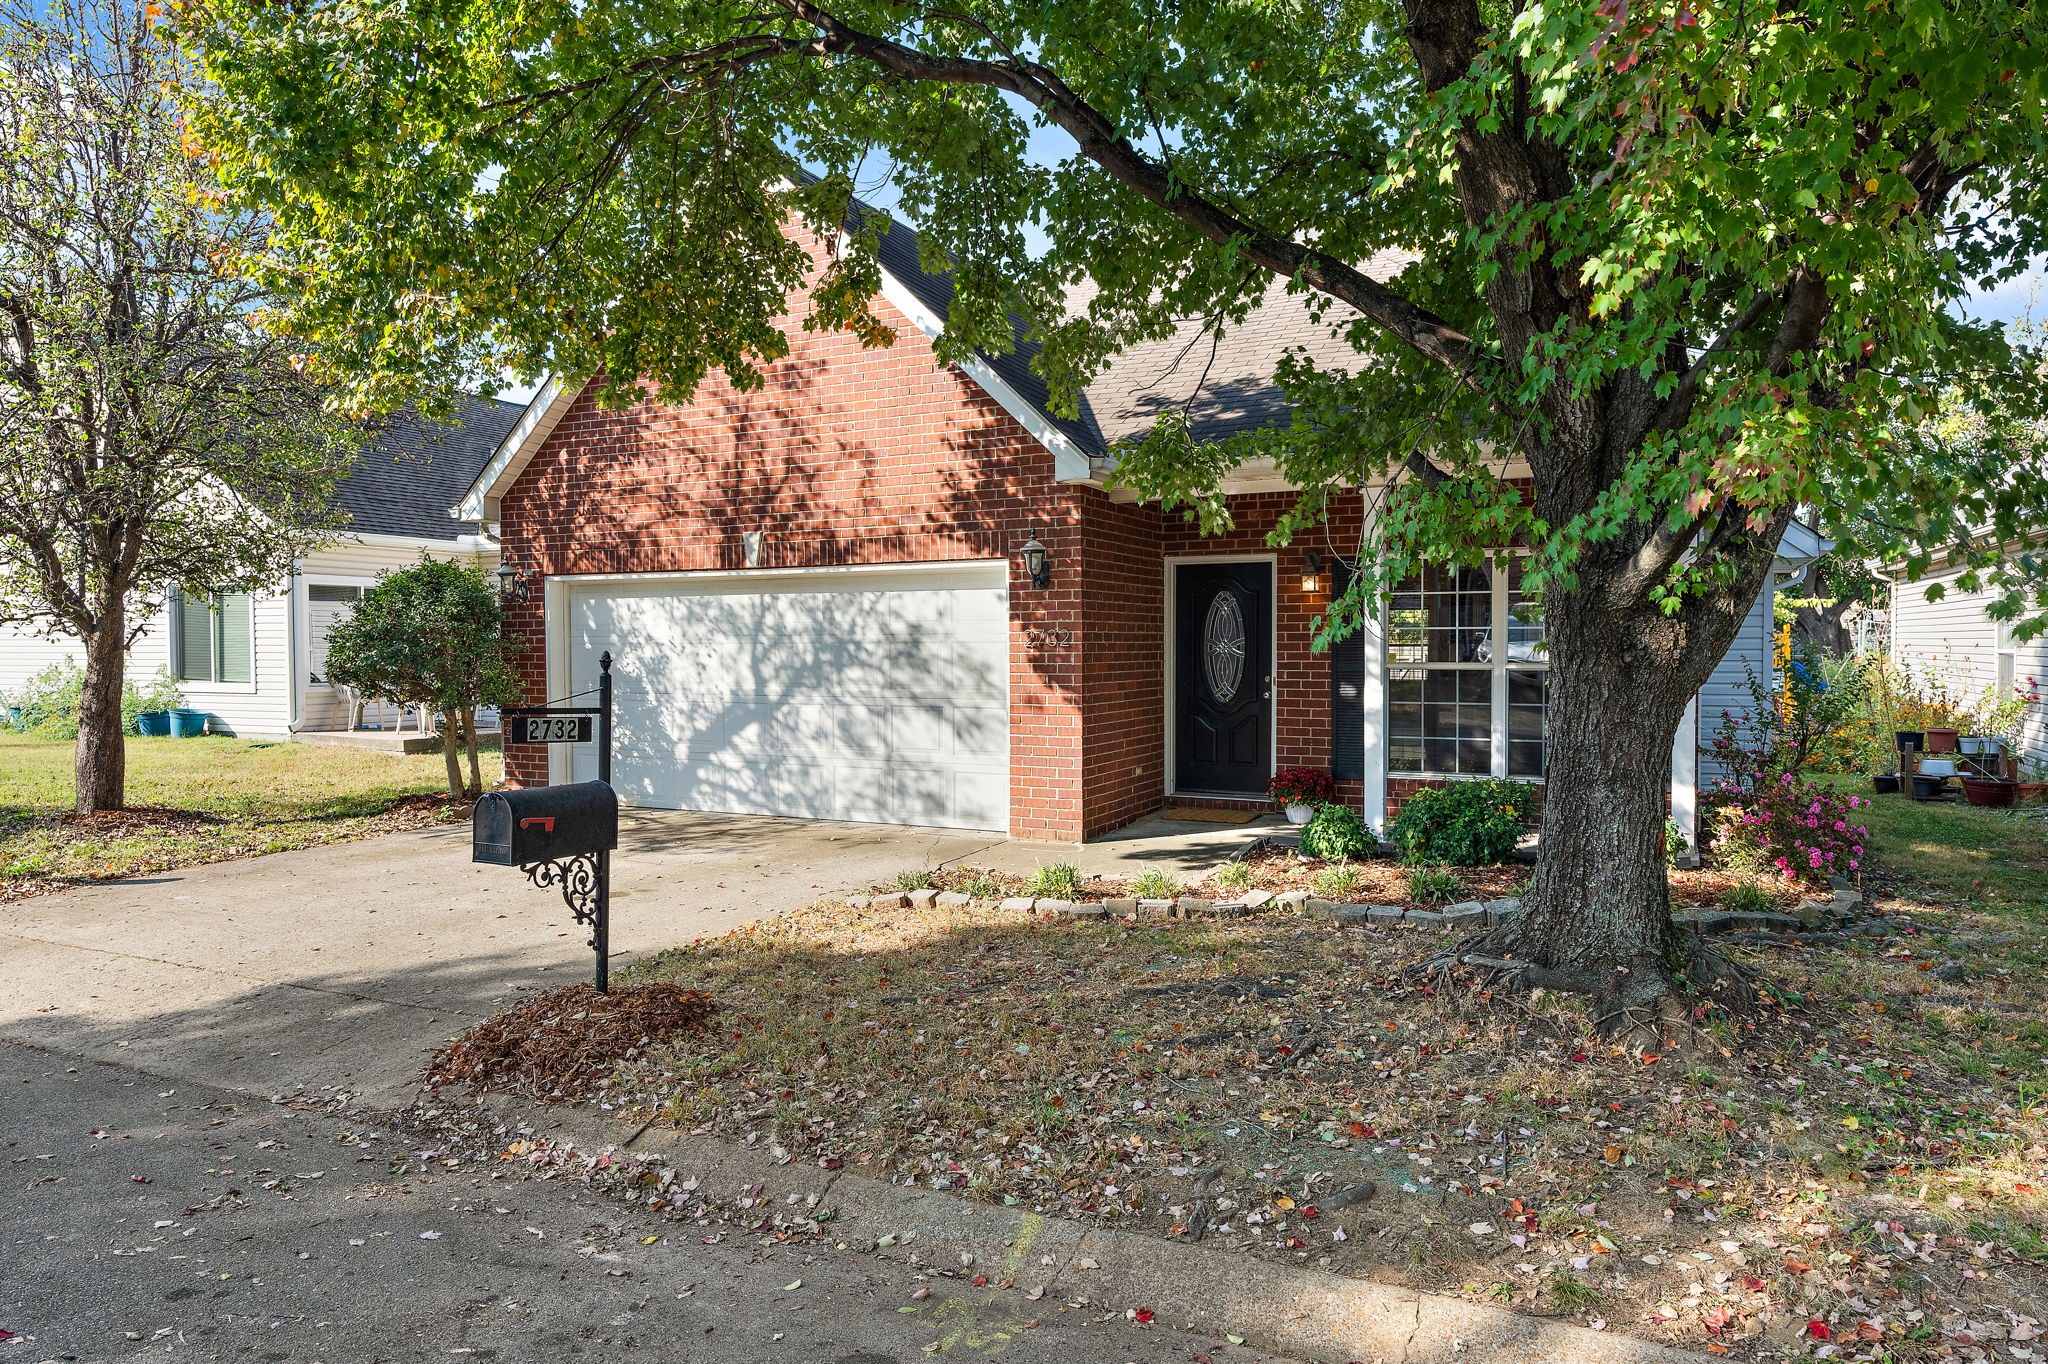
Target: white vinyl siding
x,y
1955,639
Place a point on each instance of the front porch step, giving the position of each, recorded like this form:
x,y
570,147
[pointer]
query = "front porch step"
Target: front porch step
x,y
375,740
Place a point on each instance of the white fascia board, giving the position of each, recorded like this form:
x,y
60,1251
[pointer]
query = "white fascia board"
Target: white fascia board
x,y
467,544
543,413
1069,462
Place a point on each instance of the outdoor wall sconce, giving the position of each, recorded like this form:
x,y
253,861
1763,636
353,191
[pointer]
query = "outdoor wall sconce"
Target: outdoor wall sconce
x,y
1311,574
1037,566
510,588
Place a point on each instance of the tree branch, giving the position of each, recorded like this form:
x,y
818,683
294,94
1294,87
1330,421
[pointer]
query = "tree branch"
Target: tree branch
x,y
1098,139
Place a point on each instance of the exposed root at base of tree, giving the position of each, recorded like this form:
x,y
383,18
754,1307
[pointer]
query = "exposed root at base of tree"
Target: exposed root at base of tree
x,y
1660,1004
563,1044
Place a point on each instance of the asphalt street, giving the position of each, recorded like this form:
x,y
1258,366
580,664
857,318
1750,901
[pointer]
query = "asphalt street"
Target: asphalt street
x,y
150,1218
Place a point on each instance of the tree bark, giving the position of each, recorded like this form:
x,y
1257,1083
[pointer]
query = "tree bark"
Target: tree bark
x,y
100,755
476,777
451,735
1596,919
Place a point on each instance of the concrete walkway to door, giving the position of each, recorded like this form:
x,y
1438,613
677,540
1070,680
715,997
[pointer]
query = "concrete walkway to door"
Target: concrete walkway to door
x,y
344,966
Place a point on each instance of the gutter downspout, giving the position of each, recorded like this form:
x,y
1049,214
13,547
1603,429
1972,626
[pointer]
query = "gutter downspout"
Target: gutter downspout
x,y
292,717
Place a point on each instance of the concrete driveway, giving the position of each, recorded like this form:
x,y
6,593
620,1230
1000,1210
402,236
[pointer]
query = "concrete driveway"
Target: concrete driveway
x,y
342,967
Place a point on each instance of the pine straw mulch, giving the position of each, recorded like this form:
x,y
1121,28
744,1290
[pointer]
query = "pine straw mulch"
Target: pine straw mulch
x,y
563,1044
1862,1167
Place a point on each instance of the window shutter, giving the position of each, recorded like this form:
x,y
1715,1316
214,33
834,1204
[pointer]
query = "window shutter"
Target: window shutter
x,y
1347,698
237,648
195,639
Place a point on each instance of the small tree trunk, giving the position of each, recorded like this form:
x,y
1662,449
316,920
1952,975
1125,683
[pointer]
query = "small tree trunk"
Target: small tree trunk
x,y
450,738
476,776
100,757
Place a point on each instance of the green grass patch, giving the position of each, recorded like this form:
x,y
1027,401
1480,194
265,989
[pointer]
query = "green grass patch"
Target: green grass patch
x,y
198,800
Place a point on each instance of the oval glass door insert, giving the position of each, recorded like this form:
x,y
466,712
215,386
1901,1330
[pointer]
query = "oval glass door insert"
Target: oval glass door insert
x,y
1223,646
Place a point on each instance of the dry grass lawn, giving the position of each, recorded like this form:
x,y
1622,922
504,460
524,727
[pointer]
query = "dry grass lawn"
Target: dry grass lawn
x,y
1858,1175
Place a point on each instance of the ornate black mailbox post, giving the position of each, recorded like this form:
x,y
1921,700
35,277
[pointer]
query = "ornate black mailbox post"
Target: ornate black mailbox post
x,y
561,835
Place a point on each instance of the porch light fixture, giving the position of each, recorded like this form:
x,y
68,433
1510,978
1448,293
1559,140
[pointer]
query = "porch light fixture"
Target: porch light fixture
x,y
1037,565
1311,574
510,588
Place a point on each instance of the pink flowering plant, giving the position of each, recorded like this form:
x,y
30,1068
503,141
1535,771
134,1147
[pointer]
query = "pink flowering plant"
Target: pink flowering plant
x,y
1766,819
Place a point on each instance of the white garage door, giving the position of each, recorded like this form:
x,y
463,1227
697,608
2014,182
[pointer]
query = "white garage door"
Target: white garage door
x,y
877,695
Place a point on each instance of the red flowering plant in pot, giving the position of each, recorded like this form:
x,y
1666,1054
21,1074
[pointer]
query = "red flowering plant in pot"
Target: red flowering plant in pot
x,y
1300,790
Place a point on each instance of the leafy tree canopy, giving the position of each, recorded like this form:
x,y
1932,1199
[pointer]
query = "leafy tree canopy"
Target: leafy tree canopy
x,y
1734,230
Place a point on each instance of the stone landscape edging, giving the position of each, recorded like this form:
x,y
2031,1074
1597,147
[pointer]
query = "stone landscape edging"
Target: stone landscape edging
x,y
1305,1313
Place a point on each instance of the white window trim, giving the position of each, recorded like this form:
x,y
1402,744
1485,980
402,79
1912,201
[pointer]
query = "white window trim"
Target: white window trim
x,y
203,687
302,604
1499,668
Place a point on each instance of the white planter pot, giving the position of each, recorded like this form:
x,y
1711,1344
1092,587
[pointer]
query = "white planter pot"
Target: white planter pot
x,y
1971,744
1300,814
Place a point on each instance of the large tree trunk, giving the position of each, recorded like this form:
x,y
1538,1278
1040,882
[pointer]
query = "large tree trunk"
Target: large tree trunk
x,y
1597,916
451,738
100,757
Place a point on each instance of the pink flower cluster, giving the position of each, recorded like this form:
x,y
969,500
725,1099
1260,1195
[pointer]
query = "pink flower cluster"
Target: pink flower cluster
x,y
1801,831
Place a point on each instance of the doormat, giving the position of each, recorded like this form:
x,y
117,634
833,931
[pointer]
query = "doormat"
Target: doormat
x,y
1191,815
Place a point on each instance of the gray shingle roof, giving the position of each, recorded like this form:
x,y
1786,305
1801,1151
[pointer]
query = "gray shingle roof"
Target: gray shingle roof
x,y
1226,383
413,470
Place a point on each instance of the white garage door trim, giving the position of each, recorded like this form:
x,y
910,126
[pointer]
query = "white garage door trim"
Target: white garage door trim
x,y
566,613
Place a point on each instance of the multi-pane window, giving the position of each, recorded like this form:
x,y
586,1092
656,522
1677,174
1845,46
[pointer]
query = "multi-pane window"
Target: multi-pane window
x,y
214,640
1466,674
2007,652
1439,678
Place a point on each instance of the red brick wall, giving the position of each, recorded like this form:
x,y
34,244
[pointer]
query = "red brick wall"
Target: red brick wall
x,y
847,454
1124,610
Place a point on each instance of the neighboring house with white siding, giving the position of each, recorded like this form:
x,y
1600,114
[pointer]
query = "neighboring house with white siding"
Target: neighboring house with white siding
x,y
1954,638
255,661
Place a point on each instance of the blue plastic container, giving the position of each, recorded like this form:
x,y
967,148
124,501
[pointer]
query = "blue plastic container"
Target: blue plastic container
x,y
154,724
187,724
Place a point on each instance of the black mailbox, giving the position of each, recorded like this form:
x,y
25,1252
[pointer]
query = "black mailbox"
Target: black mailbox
x,y
545,824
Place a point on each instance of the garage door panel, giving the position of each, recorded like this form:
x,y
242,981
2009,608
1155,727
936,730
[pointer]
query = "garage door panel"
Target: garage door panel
x,y
881,699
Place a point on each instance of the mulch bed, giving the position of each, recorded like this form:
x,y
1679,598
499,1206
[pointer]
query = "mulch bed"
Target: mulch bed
x,y
564,1044
135,819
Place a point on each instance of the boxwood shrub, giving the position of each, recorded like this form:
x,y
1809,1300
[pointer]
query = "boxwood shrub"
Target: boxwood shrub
x,y
1464,824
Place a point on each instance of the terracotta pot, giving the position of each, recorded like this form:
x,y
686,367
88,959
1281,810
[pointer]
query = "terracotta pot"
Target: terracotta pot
x,y
1942,740
1991,792
2030,792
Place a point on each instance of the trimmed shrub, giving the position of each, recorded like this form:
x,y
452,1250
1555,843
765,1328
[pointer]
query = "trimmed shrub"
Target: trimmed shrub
x,y
1464,824
1335,834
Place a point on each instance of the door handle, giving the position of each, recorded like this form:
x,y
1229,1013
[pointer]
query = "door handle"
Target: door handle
x,y
1267,694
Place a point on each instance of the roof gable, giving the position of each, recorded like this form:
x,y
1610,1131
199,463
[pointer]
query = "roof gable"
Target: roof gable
x,y
413,470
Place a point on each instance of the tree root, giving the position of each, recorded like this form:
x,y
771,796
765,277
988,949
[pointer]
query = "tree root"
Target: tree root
x,y
1654,1004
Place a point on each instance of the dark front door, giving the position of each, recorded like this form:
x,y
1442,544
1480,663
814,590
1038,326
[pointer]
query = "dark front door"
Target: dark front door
x,y
1223,677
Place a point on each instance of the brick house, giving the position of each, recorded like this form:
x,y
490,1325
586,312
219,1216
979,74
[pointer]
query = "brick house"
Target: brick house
x,y
818,598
